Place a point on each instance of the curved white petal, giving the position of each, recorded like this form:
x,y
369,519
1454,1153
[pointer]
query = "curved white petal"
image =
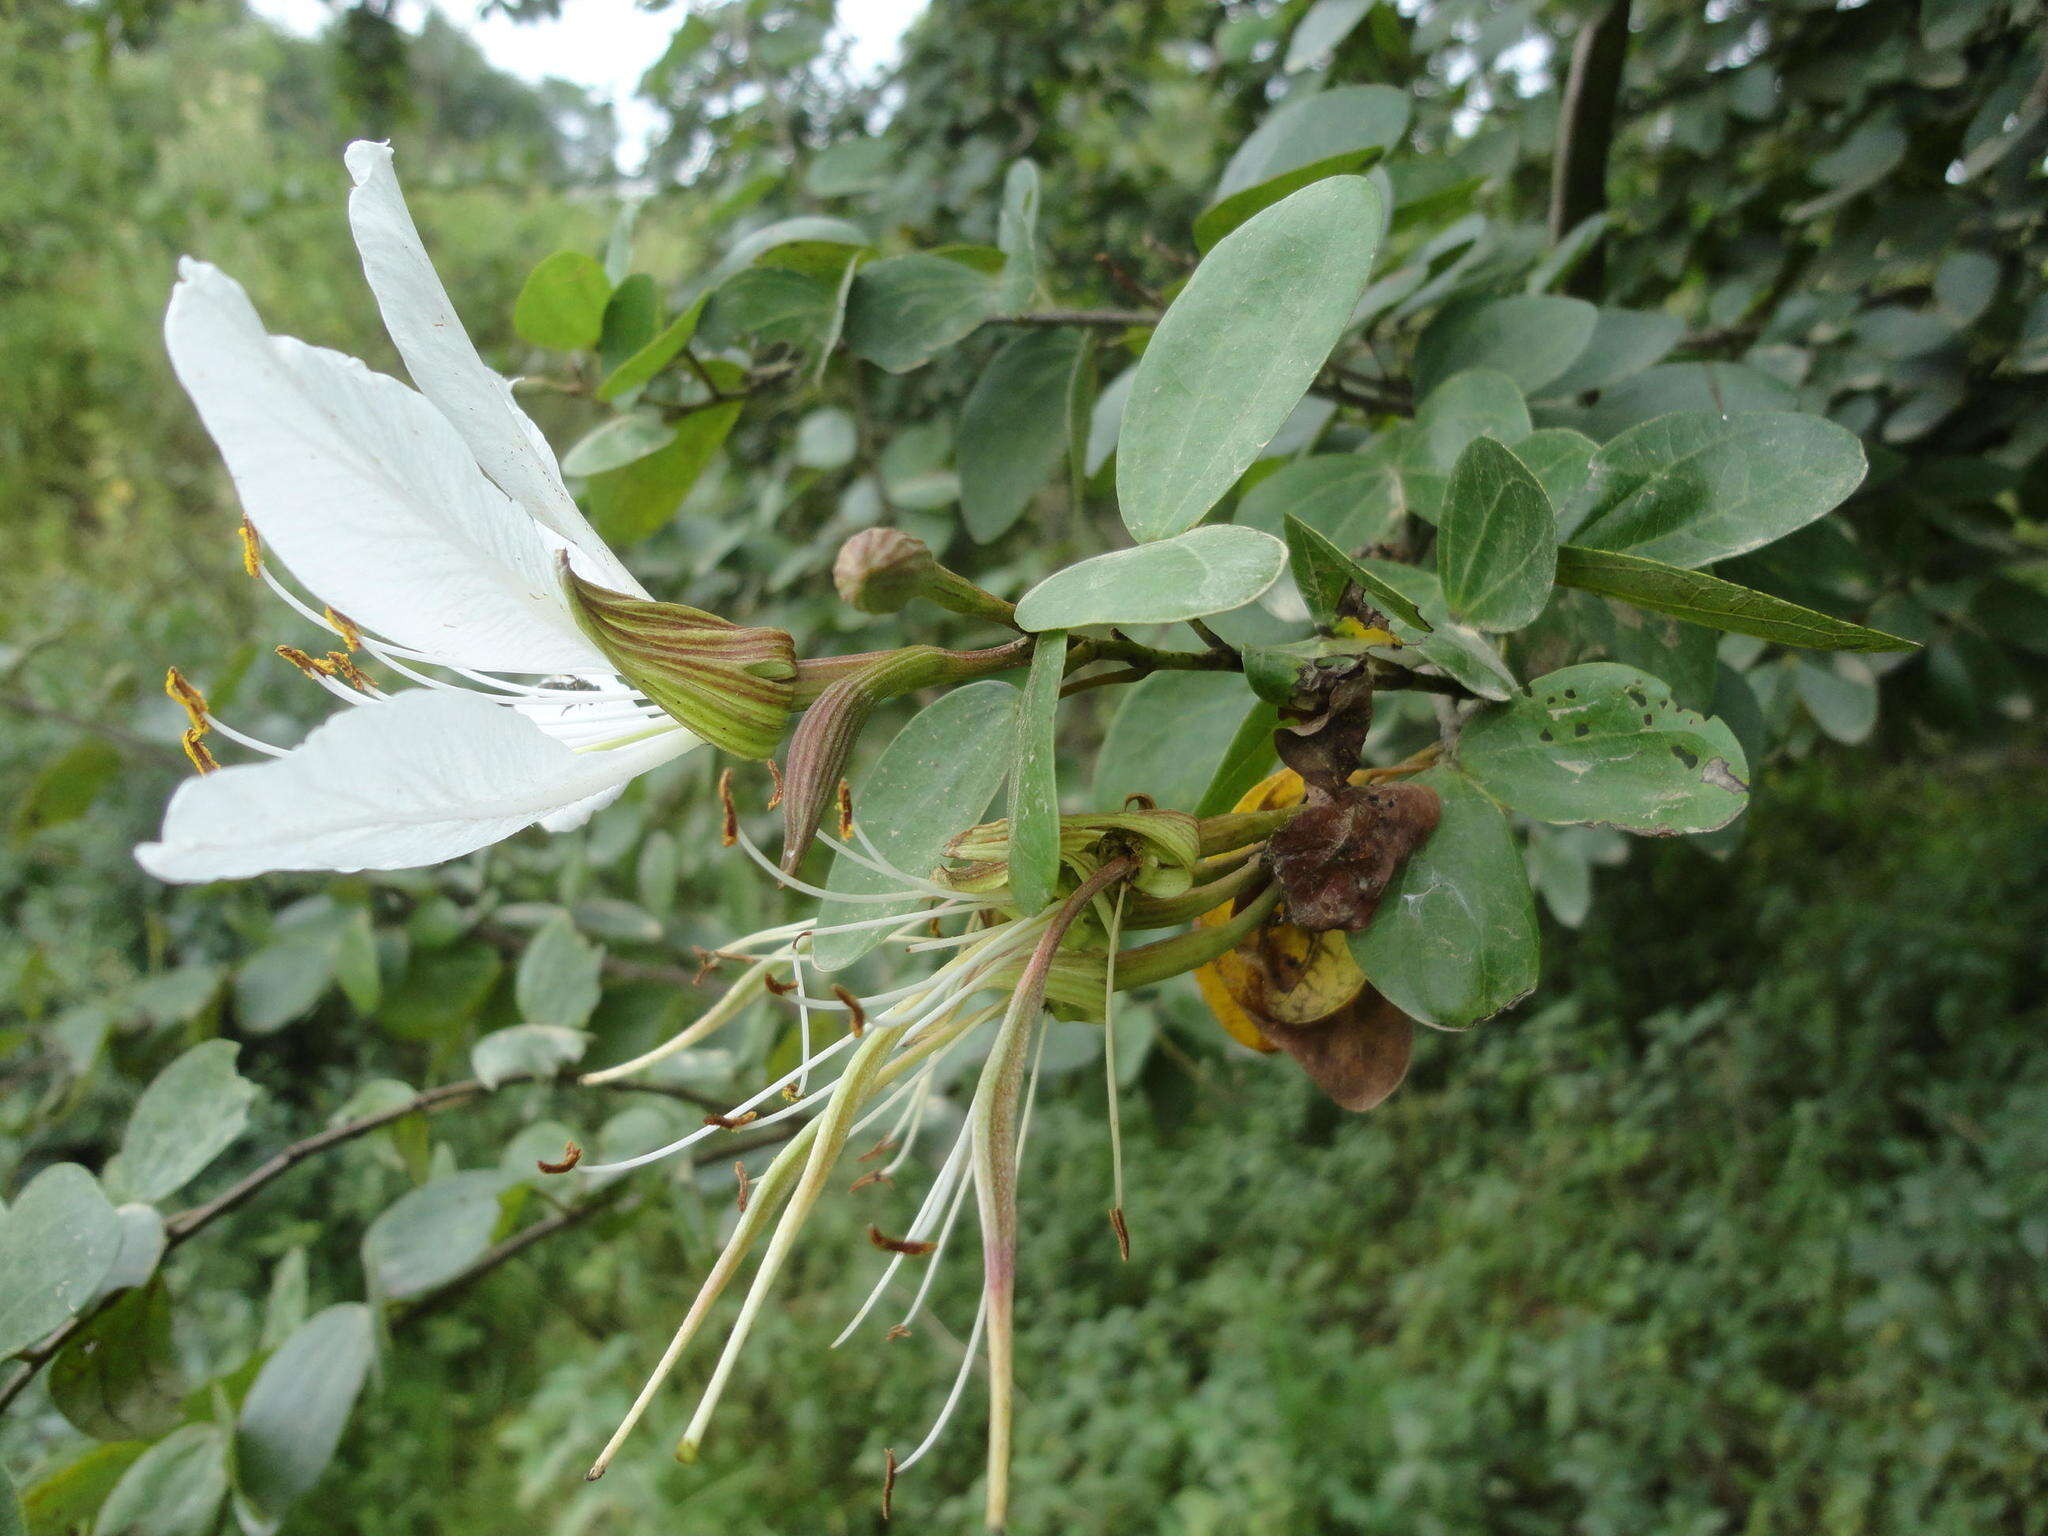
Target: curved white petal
x,y
444,364
411,780
366,493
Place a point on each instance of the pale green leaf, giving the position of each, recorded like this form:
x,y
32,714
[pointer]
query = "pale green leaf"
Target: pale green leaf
x,y
1324,573
1314,127
57,1241
1496,540
1168,738
175,1488
1013,429
629,504
1203,571
1322,27
617,443
300,1402
430,1234
1623,343
539,1050
1034,781
1532,338
185,1118
562,305
557,981
906,310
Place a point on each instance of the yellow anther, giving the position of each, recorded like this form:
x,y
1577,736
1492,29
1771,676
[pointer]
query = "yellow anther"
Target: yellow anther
x,y
196,750
315,667
191,698
349,672
252,549
1351,629
345,627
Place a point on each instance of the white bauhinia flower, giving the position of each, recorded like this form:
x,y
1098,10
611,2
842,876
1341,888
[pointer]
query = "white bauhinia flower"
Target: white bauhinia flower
x,y
434,533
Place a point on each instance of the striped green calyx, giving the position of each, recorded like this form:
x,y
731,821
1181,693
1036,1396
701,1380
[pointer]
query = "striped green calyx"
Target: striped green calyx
x,y
731,684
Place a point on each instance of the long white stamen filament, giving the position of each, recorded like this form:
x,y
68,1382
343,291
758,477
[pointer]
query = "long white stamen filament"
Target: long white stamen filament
x,y
953,1397
215,723
906,1131
958,1204
942,1187
803,1020
804,887
922,883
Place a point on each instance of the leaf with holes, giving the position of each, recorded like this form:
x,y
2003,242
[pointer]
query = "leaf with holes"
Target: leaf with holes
x,y
1601,742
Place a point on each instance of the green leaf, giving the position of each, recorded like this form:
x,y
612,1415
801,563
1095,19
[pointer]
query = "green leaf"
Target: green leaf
x,y
1561,460
1248,759
1315,127
1220,218
1532,338
562,305
627,505
1203,571
1034,781
631,317
1694,487
1601,742
119,1378
806,229
906,310
623,440
1324,573
57,1242
1465,407
1454,941
283,980
1724,389
851,166
1106,420
12,1522
1013,430
1017,236
1840,694
1238,349
295,1412
140,1250
826,439
440,991
935,779
1168,739
429,1235
66,786
1624,342
1346,497
175,1488
1496,540
1456,649
356,964
186,1118
1708,600
1322,27
538,1049
557,982
64,1502
770,305
656,355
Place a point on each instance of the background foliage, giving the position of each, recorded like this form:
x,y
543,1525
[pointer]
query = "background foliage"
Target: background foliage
x,y
1731,1229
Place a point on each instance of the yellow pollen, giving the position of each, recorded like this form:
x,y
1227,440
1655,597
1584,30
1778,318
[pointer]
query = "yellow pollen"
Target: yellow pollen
x,y
345,627
195,749
252,549
313,666
349,672
193,701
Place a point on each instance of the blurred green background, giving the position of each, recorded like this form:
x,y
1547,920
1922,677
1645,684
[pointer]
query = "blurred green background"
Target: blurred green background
x,y
1738,1226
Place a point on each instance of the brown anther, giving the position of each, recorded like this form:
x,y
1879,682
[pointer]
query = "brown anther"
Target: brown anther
x,y
190,698
252,549
791,1093
733,1122
775,770
345,627
571,1156
1123,1233
878,1176
888,1480
739,1171
779,988
1140,802
708,960
904,1246
845,810
349,672
933,928
729,829
856,1016
315,667
896,1331
887,1144
195,749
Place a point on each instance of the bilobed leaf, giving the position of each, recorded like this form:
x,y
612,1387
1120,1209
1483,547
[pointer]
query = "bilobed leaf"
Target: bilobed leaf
x,y
906,310
557,982
293,1417
1237,350
628,504
1694,487
1601,742
1203,571
1532,338
1310,128
935,779
1454,941
562,305
57,1241
657,354
184,1120
1496,539
1168,738
119,1378
175,1488
1718,604
617,443
1034,781
430,1234
1013,429
1324,572
540,1049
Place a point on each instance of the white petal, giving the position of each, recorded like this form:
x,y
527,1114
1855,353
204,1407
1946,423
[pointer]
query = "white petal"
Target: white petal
x,y
444,364
364,490
412,780
570,817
